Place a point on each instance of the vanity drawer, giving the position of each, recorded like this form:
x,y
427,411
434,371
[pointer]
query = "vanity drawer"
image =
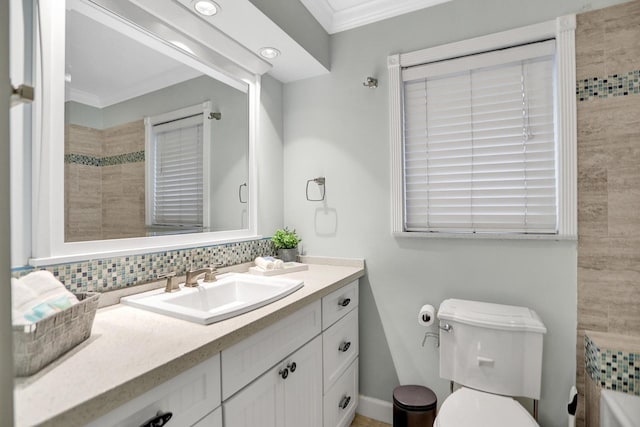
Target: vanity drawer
x,y
342,399
339,347
189,397
338,303
248,359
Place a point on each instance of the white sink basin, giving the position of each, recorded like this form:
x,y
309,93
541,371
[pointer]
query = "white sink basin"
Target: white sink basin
x,y
230,295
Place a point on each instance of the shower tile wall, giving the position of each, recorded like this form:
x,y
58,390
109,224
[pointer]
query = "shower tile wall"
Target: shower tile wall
x,y
608,68
83,184
104,182
123,198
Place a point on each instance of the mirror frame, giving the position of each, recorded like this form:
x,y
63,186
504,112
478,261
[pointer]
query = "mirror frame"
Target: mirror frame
x,y
48,245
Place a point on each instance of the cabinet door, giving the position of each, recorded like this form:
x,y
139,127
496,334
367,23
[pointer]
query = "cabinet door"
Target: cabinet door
x,y
258,404
303,387
246,360
214,419
274,401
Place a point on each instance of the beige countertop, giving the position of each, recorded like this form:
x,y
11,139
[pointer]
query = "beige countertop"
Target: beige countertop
x,y
130,351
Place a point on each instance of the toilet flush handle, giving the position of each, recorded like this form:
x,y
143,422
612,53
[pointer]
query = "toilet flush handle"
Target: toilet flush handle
x,y
446,327
485,361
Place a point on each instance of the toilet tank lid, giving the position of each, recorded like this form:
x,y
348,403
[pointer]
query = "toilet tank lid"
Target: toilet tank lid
x,y
489,315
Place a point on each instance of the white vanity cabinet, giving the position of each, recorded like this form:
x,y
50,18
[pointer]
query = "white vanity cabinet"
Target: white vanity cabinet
x,y
300,371
191,397
313,386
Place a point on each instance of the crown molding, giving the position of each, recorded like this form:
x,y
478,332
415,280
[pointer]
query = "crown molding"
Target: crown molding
x,y
335,21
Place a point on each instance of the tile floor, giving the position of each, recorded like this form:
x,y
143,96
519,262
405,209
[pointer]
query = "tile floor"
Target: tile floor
x,y
360,421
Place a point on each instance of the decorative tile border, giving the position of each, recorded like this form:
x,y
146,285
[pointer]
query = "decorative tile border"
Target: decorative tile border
x,y
101,275
611,369
81,159
120,159
610,86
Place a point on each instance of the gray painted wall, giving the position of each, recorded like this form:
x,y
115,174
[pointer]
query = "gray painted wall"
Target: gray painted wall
x,y
335,127
269,153
6,355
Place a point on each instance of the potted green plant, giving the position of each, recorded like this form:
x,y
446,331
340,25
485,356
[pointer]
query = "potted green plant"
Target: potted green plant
x,y
286,243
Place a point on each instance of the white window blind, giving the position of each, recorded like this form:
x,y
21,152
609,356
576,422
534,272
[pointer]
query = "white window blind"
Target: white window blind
x,y
177,178
479,143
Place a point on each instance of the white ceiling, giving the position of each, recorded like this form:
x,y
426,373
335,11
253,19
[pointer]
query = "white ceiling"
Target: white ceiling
x,y
341,15
246,24
107,67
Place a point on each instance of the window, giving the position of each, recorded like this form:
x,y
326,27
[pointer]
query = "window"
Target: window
x,y
481,147
176,183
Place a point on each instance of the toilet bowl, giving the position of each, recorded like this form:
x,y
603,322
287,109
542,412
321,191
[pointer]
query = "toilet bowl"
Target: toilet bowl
x,y
468,407
494,352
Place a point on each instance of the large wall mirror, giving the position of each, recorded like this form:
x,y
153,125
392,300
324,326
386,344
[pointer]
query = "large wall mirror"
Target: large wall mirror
x,y
152,140
190,175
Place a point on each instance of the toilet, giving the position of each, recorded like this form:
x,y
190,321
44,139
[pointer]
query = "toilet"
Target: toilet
x,y
494,352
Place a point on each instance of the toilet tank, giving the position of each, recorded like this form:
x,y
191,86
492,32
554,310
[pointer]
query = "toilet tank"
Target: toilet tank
x,y
491,347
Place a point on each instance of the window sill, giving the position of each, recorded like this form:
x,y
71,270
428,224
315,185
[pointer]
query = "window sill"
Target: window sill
x,y
482,236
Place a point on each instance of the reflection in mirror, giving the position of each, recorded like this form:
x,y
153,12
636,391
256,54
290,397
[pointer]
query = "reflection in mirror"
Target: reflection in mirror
x,y
152,146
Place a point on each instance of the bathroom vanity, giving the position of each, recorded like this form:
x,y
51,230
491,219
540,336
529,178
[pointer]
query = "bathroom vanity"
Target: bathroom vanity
x,y
290,363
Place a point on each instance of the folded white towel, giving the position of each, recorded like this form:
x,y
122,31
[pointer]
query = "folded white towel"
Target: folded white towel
x,y
278,264
46,286
38,295
264,263
21,295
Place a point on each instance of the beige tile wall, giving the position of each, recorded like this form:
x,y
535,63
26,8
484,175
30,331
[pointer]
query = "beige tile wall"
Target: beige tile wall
x,y
123,199
82,186
608,42
105,202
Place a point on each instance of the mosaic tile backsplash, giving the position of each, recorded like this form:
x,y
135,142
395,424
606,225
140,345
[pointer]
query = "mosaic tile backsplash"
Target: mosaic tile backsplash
x,y
610,86
611,369
101,275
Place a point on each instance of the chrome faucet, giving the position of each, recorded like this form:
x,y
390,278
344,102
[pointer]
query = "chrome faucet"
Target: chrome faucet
x,y
192,276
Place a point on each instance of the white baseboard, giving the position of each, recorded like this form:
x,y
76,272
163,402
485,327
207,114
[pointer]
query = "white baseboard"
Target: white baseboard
x,y
376,409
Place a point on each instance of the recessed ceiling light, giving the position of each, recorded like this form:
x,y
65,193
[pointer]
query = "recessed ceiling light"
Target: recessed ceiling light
x,y
206,7
269,52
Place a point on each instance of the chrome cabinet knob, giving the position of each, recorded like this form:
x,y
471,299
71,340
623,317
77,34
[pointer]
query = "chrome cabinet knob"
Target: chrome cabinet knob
x,y
344,302
292,367
284,373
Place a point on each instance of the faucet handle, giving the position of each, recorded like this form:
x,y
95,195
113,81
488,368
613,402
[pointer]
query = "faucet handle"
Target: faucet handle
x,y
210,276
167,275
172,285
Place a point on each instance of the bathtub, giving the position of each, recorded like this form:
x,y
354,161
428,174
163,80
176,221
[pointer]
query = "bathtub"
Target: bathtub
x,y
619,409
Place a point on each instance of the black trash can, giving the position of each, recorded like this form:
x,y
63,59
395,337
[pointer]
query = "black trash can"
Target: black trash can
x,y
414,406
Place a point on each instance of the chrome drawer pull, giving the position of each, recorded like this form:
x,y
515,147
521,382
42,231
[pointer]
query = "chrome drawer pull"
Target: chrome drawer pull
x,y
161,419
344,302
344,347
344,402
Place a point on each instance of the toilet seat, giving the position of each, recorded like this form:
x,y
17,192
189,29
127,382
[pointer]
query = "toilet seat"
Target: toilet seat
x,y
472,408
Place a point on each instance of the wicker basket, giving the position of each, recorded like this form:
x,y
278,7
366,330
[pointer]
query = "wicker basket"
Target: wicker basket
x,y
38,344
